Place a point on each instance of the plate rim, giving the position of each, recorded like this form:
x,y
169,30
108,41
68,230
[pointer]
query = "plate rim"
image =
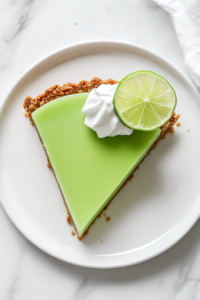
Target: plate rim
x,y
188,222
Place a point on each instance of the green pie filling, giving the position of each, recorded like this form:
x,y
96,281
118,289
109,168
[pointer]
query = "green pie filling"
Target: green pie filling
x,y
89,170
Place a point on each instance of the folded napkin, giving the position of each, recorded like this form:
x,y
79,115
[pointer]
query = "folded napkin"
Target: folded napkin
x,y
185,15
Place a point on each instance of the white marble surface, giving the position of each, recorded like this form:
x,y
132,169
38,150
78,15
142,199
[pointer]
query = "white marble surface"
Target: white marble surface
x,y
29,30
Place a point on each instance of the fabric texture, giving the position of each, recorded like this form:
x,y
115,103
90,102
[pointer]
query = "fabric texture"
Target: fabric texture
x,y
185,15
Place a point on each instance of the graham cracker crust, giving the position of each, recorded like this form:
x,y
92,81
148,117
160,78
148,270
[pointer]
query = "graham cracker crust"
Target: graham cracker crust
x,y
56,91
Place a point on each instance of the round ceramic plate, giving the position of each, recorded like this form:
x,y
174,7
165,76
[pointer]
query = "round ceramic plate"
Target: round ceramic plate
x,y
150,214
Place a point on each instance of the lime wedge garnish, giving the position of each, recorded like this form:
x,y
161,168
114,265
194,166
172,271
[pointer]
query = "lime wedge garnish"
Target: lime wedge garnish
x,y
144,100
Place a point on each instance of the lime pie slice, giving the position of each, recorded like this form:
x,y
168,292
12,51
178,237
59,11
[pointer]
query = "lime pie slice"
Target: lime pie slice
x,y
89,170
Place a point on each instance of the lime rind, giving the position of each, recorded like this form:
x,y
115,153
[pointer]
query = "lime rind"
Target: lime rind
x,y
144,100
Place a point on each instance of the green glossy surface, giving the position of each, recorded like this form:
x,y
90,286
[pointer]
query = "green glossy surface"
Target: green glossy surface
x,y
89,169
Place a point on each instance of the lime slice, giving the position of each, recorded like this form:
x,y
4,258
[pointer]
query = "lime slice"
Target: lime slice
x,y
144,101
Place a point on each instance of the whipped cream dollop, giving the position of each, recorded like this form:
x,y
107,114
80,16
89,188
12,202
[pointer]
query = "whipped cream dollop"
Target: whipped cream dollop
x,y
100,113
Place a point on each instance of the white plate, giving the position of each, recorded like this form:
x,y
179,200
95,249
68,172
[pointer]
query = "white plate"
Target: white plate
x,y
150,214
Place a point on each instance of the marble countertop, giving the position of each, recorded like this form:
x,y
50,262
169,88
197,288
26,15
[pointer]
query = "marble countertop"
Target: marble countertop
x,y
29,30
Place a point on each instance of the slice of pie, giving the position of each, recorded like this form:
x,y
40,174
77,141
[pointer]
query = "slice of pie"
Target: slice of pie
x,y
89,170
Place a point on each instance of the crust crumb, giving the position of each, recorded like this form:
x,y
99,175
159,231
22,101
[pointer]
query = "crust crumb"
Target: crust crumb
x,y
68,219
171,130
188,130
101,241
72,232
106,207
176,117
49,165
178,124
76,23
86,233
131,177
108,219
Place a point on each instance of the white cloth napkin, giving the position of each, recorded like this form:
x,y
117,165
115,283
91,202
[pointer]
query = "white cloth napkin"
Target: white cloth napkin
x,y
185,15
